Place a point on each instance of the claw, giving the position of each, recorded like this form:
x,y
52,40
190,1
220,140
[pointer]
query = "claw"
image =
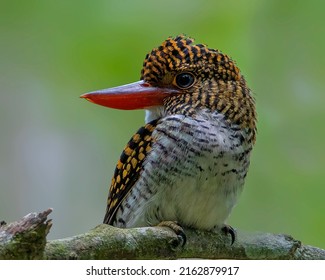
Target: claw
x,y
226,229
176,227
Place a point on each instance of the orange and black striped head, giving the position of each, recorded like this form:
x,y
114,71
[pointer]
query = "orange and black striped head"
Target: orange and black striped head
x,y
176,55
184,78
204,77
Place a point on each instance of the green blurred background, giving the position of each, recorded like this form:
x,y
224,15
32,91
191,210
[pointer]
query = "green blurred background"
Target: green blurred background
x,y
59,151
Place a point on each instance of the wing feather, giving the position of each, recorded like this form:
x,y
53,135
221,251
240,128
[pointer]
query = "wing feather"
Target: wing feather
x,y
128,169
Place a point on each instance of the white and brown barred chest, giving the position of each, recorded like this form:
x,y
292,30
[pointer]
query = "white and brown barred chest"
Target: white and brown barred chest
x,y
193,173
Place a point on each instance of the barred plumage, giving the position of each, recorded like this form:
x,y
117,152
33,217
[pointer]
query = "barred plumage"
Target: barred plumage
x,y
128,169
189,162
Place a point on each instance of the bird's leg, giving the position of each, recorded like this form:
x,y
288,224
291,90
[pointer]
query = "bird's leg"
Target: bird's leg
x,y
226,229
176,227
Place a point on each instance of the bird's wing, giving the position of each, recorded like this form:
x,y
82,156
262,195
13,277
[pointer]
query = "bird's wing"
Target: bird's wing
x,y
128,169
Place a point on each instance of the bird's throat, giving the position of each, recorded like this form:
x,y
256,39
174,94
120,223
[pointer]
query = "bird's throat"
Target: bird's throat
x,y
154,113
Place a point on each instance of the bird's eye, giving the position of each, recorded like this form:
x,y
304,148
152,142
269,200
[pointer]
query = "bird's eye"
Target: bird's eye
x,y
184,80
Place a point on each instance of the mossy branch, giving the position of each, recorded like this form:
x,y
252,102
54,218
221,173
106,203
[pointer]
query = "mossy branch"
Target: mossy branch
x,y
26,239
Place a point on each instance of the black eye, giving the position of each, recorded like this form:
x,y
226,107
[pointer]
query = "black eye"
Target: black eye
x,y
184,80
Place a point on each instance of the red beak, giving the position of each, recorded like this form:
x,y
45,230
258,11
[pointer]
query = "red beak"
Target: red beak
x,y
137,95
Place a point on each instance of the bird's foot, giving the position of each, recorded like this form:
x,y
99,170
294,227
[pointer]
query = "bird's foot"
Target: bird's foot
x,y
176,227
226,229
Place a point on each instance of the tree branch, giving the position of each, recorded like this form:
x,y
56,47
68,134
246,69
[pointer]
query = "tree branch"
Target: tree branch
x,y
26,238
107,242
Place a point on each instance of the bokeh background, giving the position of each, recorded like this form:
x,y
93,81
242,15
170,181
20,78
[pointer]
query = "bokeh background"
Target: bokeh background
x,y
59,151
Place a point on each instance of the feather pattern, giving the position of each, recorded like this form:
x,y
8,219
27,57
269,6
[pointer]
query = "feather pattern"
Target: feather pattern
x,y
189,162
128,169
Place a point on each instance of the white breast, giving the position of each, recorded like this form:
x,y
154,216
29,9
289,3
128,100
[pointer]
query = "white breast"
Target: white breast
x,y
194,172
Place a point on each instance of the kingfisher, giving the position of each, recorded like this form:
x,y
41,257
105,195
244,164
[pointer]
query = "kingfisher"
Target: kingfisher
x,y
185,168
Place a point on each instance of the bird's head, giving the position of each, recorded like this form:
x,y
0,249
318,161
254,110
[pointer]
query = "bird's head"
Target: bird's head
x,y
179,77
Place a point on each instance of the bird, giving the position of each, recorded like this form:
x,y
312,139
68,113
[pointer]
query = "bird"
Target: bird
x,y
186,167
